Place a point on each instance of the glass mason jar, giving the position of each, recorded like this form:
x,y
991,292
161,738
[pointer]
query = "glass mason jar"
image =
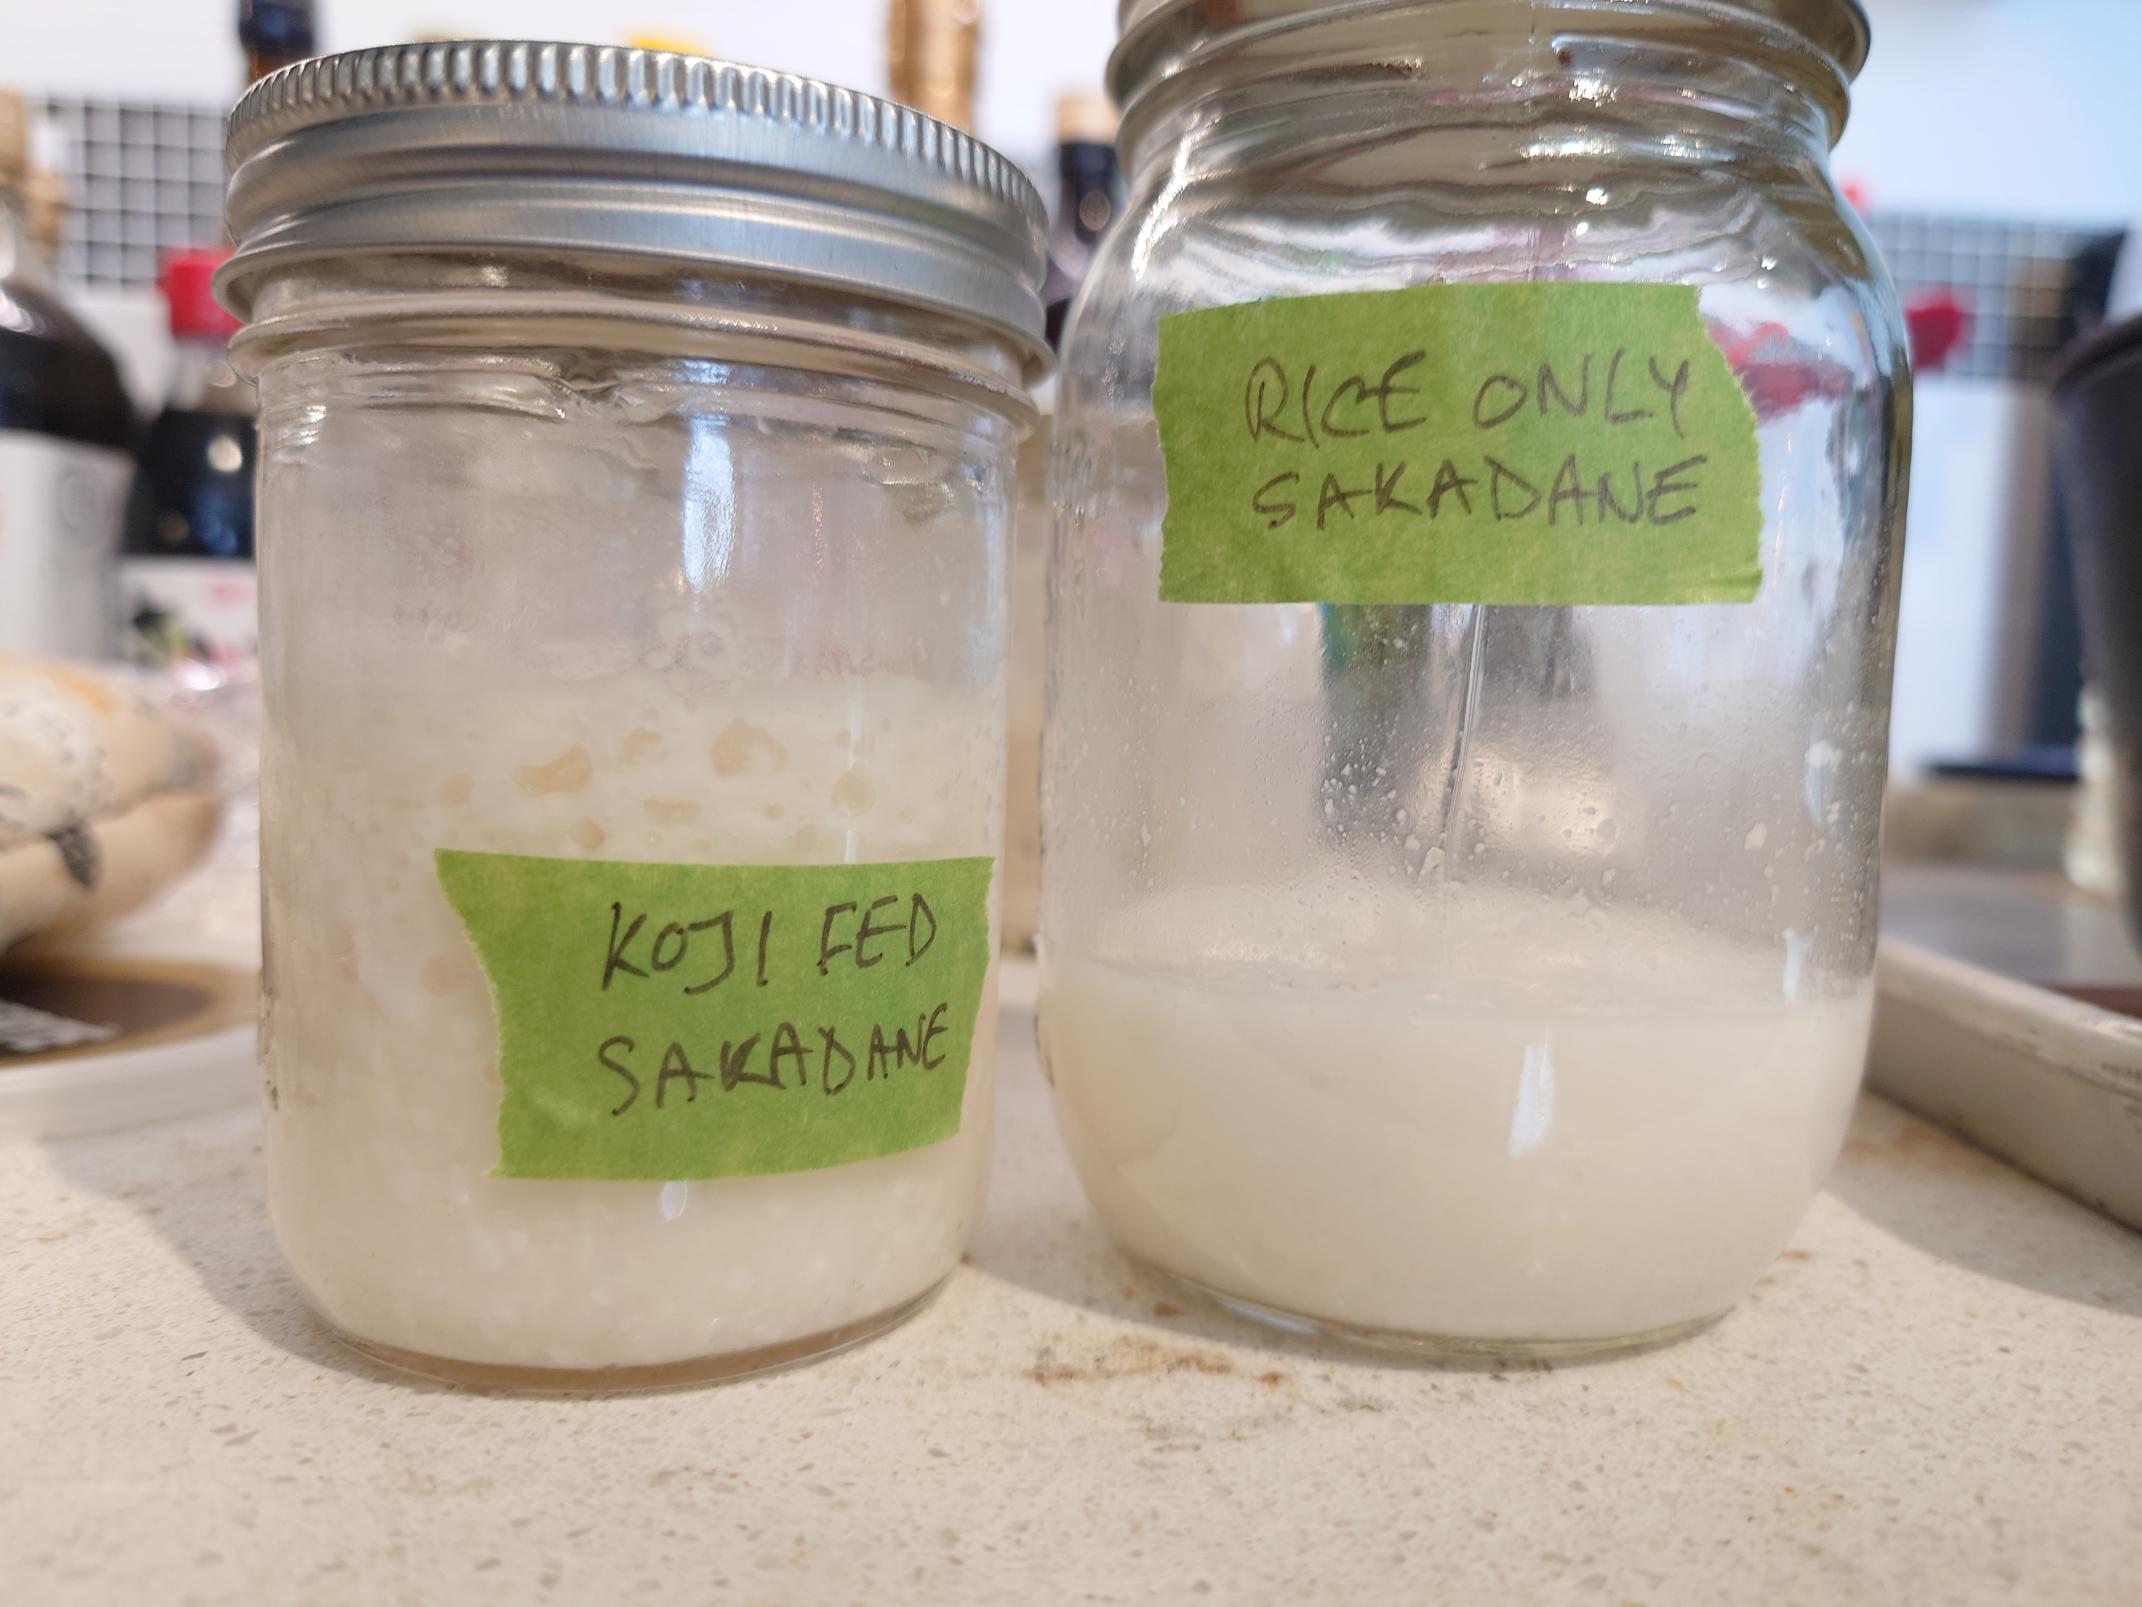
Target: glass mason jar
x,y
637,440
1454,971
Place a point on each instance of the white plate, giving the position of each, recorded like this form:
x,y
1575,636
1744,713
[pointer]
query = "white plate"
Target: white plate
x,y
88,1093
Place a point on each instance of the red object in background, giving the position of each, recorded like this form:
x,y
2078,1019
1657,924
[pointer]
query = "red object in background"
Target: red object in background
x,y
1939,323
186,282
1780,374
1777,372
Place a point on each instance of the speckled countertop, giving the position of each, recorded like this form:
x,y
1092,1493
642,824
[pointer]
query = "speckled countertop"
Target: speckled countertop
x,y
1935,1397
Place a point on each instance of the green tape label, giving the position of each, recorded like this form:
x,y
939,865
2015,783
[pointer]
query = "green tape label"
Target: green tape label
x,y
690,1021
1520,443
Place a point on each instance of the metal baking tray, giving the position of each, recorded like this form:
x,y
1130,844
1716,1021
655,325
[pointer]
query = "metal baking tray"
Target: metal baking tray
x,y
2009,1009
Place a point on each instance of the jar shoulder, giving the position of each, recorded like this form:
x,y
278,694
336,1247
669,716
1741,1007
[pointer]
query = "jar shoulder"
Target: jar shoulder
x,y
1781,247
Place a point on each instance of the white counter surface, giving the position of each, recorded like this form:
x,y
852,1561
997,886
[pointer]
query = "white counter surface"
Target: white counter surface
x,y
1935,1397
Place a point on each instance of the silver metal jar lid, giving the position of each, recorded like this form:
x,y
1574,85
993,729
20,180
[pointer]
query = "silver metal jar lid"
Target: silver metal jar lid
x,y
1160,38
603,154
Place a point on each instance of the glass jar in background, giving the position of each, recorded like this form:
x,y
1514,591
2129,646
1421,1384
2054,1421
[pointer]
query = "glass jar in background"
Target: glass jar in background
x,y
1032,521
1088,196
633,515
1447,970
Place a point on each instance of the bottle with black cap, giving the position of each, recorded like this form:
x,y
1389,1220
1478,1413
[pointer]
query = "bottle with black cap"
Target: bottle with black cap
x,y
1089,192
275,33
187,565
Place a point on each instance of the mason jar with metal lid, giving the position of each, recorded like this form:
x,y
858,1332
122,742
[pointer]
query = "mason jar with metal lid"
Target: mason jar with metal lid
x,y
637,440
1479,461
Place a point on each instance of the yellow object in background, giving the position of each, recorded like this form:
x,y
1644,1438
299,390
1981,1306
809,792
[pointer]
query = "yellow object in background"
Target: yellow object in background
x,y
679,44
931,48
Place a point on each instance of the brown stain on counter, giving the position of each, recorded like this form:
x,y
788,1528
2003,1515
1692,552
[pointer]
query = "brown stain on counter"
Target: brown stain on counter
x,y
1915,1141
1134,1356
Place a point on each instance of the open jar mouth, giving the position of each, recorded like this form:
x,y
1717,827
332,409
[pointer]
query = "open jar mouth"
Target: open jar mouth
x,y
1172,51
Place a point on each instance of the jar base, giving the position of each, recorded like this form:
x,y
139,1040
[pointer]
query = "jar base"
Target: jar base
x,y
662,1375
1440,1350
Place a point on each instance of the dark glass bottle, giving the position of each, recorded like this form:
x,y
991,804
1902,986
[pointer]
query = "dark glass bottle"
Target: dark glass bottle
x,y
1089,193
66,437
275,33
188,560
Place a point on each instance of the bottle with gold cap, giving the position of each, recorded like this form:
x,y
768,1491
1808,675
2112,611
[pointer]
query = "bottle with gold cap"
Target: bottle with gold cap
x,y
66,433
932,46
45,203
